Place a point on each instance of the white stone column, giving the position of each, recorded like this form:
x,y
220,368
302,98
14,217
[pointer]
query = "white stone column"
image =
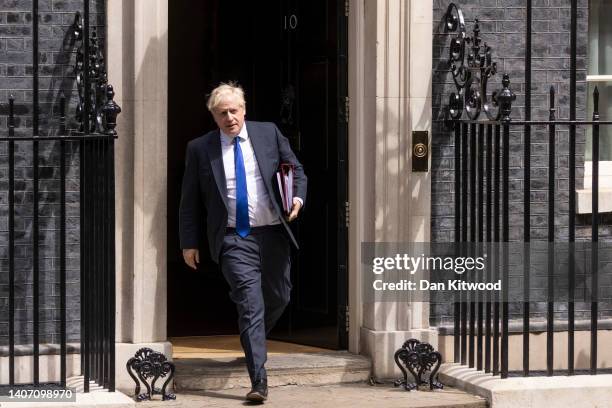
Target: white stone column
x,y
391,96
137,67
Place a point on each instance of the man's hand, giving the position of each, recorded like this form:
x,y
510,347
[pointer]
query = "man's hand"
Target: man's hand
x,y
297,205
191,257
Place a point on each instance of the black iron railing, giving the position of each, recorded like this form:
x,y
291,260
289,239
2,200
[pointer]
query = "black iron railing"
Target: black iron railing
x,y
482,127
95,135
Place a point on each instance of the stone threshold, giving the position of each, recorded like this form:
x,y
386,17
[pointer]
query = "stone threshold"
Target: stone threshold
x,y
286,369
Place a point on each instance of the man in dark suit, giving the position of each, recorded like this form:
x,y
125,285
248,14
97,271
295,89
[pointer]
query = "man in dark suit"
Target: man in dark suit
x,y
231,172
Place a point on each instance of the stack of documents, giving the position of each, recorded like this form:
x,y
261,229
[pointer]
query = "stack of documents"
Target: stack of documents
x,y
285,185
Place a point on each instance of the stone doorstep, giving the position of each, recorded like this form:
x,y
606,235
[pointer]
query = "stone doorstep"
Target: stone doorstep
x,y
579,391
286,369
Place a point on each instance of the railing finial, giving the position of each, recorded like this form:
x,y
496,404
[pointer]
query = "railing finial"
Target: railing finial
x,y
11,116
505,98
62,119
110,111
596,104
552,103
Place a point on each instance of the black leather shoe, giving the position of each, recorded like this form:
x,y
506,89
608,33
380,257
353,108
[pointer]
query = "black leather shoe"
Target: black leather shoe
x,y
259,391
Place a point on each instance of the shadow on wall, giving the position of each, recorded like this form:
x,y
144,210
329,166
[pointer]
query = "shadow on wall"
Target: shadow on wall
x,y
396,195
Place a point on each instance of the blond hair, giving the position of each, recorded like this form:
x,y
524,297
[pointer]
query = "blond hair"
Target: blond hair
x,y
225,89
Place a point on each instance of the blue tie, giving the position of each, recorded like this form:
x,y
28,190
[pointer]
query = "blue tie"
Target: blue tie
x,y
242,200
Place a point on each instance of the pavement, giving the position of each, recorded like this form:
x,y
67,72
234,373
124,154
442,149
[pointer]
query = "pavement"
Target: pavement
x,y
355,395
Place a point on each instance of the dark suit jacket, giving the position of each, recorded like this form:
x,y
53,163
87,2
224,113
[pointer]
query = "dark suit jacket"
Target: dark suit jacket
x,y
204,183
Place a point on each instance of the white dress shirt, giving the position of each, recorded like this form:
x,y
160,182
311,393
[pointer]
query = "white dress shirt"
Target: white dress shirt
x,y
261,211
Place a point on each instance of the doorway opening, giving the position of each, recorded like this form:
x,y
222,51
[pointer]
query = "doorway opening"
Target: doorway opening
x,y
290,57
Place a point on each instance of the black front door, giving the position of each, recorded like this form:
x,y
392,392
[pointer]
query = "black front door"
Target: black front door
x,y
289,56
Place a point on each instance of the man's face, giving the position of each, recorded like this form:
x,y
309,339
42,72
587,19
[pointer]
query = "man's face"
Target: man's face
x,y
229,115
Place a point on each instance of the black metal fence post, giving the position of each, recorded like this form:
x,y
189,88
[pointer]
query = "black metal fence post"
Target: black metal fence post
x,y
11,243
457,296
84,275
527,188
505,98
550,307
35,202
489,240
572,188
110,162
85,202
464,232
479,297
63,350
473,227
496,239
595,235
506,240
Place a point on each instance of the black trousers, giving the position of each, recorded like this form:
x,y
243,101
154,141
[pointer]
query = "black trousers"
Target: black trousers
x,y
257,268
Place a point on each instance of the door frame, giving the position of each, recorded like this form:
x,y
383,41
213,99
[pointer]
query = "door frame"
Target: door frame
x,y
356,172
342,181
343,175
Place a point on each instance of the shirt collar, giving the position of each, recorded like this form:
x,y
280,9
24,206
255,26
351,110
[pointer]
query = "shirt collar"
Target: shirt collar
x,y
243,134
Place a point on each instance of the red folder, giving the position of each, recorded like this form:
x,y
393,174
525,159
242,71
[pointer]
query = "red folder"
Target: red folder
x,y
284,177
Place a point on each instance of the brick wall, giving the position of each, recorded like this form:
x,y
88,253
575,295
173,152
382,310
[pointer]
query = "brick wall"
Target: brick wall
x,y
502,25
56,58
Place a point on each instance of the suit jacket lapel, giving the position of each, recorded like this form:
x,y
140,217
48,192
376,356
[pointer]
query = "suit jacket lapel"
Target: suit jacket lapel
x,y
216,163
259,147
